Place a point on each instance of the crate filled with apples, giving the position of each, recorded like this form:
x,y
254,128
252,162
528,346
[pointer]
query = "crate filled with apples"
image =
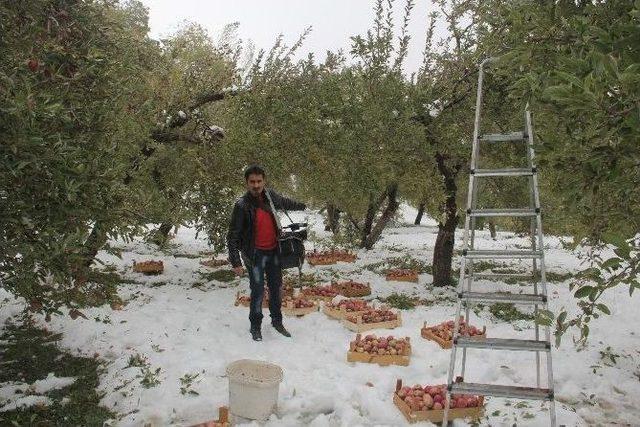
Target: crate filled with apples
x,y
427,403
329,257
346,307
320,293
402,275
298,306
351,289
378,318
222,421
148,267
245,300
214,263
381,350
443,332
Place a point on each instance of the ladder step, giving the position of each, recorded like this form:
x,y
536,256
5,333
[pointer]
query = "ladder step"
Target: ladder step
x,y
506,297
501,275
504,137
520,212
501,254
503,172
496,390
503,344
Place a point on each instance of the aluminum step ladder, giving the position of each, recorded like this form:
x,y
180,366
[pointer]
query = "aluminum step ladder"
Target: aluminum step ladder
x,y
467,297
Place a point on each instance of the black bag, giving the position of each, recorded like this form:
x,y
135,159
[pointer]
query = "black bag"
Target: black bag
x,y
291,250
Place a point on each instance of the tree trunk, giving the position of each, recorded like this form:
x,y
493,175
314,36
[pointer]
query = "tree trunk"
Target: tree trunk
x,y
420,213
96,240
492,229
161,235
390,210
443,250
368,223
333,219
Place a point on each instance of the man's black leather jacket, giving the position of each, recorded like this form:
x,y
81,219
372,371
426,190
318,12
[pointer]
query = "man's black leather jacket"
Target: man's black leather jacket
x,y
240,236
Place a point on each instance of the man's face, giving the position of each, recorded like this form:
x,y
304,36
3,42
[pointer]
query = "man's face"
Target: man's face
x,y
255,184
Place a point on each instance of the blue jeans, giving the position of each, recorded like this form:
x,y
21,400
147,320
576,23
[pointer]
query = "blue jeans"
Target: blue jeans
x,y
265,262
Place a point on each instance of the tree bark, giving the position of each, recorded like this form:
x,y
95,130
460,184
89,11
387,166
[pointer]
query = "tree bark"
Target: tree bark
x,y
420,213
390,210
443,250
96,240
160,236
492,229
333,219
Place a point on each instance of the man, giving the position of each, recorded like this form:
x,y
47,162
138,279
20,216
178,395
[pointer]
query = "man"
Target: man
x,y
253,232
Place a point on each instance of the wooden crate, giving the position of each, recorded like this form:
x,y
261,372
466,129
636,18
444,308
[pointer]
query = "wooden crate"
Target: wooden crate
x,y
435,415
343,290
361,327
314,260
148,267
426,333
412,277
289,310
382,360
246,303
339,313
222,421
214,263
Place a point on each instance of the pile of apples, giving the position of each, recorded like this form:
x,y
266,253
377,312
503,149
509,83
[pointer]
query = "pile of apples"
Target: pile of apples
x,y
380,346
351,288
298,302
401,273
445,329
434,397
320,291
330,257
350,305
374,316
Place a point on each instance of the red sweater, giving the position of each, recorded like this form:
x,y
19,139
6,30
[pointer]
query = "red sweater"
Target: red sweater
x,y
265,230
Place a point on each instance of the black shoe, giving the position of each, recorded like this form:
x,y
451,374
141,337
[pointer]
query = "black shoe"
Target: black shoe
x,y
280,328
256,334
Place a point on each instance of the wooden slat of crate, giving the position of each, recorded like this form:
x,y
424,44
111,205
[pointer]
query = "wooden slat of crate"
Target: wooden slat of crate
x,y
222,421
382,360
313,261
436,415
353,294
361,327
339,314
412,278
427,334
291,311
317,297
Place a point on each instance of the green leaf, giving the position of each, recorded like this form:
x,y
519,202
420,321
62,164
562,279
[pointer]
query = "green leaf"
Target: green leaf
x,y
584,291
603,308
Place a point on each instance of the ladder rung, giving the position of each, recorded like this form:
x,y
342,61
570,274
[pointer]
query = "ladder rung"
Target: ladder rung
x,y
503,344
503,137
501,254
503,172
520,212
507,297
497,390
500,275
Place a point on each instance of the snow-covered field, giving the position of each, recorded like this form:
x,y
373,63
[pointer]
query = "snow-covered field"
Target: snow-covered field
x,y
185,330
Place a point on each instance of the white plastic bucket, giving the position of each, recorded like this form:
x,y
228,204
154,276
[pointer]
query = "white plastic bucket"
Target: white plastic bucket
x,y
253,388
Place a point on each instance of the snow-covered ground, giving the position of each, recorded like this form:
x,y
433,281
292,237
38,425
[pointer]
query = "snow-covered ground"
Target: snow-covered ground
x,y
185,330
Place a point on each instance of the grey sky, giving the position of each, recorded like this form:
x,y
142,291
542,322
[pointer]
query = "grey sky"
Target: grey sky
x,y
332,21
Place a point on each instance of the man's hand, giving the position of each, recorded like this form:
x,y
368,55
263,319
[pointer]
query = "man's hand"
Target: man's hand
x,y
238,270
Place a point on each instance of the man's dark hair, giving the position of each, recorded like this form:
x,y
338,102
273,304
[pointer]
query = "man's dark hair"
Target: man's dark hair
x,y
254,170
